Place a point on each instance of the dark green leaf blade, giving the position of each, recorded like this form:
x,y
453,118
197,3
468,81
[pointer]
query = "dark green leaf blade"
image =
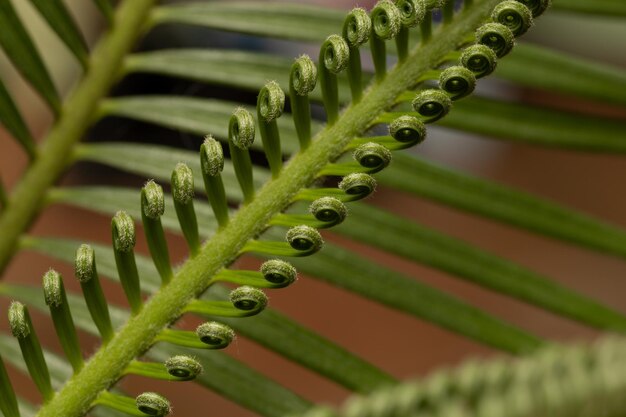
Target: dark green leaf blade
x,y
61,21
609,8
348,270
192,115
541,67
11,118
415,242
498,202
284,20
21,50
539,126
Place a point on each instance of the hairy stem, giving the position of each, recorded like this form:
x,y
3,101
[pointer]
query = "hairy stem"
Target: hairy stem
x,y
76,116
106,366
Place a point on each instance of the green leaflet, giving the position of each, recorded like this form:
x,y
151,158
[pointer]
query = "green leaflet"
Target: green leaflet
x,y
159,161
242,69
21,50
223,374
61,21
11,118
346,269
346,369
283,20
506,204
415,242
105,8
192,115
609,8
540,126
537,66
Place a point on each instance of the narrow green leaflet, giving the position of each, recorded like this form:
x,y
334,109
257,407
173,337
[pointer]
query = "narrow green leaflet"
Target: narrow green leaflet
x,y
105,8
350,370
609,8
346,269
241,69
541,126
415,242
11,118
494,201
283,20
157,162
21,50
541,67
280,334
222,373
62,22
192,115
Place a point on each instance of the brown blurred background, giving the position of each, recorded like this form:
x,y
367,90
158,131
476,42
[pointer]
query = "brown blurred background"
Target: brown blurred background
x,y
403,346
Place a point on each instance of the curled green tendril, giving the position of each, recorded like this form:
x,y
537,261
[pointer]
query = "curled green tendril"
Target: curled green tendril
x,y
304,238
457,81
52,288
248,298
357,27
152,200
18,321
279,272
496,36
241,128
336,53
271,101
182,184
373,156
432,104
480,59
123,229
358,184
386,20
183,367
153,404
211,156
407,129
328,210
303,76
516,16
537,7
85,263
214,334
412,12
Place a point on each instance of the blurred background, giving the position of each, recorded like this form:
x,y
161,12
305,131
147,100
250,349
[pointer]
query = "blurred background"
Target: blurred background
x,y
403,346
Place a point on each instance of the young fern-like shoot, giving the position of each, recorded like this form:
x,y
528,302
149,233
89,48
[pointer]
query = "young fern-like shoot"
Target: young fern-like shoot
x,y
146,404
123,230
153,404
176,368
412,13
333,58
407,131
245,301
56,299
270,106
215,335
431,105
496,36
302,240
480,59
302,80
457,81
273,274
356,31
152,208
212,164
386,24
513,14
182,194
87,274
241,132
23,330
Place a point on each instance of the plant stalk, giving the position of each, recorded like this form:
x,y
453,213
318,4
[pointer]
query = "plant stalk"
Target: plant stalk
x,y
136,336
